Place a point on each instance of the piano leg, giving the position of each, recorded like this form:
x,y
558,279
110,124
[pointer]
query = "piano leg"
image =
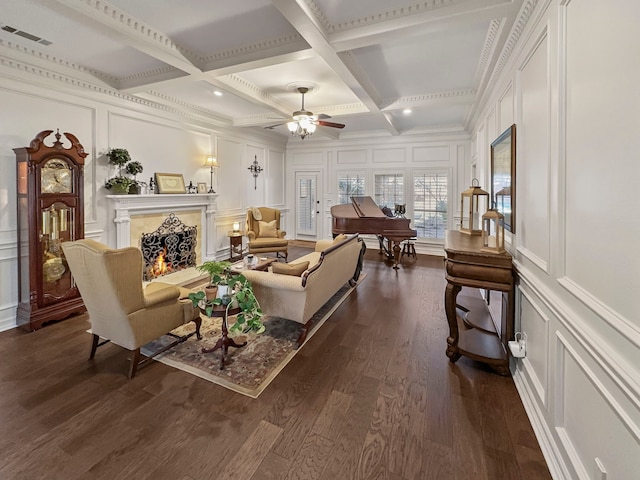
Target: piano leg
x,y
396,253
385,249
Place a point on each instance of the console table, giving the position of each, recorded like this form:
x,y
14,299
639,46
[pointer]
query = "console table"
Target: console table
x,y
472,331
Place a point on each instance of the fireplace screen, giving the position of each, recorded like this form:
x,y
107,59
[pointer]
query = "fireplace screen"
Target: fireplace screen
x,y
170,248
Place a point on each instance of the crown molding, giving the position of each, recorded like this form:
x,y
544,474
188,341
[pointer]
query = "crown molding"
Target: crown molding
x,y
466,96
30,55
384,16
489,46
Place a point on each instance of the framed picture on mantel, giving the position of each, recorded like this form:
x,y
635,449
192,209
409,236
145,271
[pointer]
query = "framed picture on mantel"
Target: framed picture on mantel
x,y
170,183
503,177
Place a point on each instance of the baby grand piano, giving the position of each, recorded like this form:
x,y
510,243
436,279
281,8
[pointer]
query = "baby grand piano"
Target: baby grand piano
x,y
363,216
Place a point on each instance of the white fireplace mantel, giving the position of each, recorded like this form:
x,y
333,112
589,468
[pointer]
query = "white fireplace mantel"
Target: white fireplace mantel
x,y
126,206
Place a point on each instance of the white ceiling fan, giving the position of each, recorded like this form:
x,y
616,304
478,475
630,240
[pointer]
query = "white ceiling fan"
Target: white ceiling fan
x,y
303,122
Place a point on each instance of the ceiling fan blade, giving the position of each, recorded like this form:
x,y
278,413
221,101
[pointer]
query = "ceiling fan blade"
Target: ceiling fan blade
x,y
274,126
330,124
323,116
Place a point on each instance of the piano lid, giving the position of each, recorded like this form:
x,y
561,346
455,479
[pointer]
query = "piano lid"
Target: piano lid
x,y
366,207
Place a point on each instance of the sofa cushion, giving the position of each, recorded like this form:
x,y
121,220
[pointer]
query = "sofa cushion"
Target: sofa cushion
x,y
268,229
296,269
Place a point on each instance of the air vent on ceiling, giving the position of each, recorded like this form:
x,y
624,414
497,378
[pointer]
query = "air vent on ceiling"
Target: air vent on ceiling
x,y
26,35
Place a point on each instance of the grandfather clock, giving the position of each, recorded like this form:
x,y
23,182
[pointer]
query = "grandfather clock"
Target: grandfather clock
x,y
50,212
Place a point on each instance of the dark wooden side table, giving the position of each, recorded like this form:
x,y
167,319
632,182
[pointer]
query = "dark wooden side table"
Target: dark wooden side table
x,y
235,245
472,331
224,342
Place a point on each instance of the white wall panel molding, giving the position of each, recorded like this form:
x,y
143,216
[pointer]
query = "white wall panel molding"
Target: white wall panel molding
x,y
276,175
389,155
534,150
623,325
345,157
433,154
537,417
536,327
505,108
369,141
537,261
585,404
609,360
307,158
8,245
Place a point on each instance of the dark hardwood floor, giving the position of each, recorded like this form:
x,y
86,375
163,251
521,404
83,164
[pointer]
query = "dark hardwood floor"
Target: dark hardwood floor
x,y
371,396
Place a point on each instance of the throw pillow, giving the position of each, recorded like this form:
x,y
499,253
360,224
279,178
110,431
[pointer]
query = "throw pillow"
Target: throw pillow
x,y
268,229
339,238
295,269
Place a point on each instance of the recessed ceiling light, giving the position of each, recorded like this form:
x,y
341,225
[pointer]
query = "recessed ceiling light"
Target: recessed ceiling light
x,y
407,111
217,93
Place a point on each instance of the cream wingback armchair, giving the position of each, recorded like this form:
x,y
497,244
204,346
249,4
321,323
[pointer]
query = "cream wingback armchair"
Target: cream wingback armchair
x,y
120,309
263,230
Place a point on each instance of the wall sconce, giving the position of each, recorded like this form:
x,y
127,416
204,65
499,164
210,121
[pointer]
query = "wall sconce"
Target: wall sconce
x,y
255,169
212,162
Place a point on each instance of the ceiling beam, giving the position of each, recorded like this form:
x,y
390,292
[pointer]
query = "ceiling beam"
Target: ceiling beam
x,y
303,20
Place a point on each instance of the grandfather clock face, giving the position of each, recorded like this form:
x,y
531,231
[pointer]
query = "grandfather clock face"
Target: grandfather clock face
x,y
56,177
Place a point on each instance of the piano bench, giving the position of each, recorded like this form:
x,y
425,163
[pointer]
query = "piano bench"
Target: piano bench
x,y
409,248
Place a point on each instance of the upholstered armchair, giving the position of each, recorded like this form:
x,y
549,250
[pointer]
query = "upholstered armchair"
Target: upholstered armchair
x,y
263,230
120,309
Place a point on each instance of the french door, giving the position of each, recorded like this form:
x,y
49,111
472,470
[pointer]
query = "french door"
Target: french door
x,y
307,205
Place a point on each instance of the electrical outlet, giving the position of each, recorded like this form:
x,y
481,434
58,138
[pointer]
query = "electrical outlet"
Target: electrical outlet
x,y
518,347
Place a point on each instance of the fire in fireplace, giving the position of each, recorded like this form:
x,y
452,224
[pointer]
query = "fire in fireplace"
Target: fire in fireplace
x,y
172,247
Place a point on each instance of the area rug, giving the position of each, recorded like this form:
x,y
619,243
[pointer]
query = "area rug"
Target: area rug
x,y
248,370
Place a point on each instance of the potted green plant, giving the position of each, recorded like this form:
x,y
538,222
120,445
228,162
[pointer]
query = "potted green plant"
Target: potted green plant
x,y
119,184
134,168
218,272
238,293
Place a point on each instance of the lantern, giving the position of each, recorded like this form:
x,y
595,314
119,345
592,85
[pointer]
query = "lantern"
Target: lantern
x,y
493,231
474,202
236,227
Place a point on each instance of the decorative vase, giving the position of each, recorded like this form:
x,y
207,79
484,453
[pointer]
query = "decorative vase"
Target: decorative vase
x,y
222,290
134,189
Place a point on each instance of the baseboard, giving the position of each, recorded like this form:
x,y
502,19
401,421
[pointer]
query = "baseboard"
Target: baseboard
x,y
541,429
7,324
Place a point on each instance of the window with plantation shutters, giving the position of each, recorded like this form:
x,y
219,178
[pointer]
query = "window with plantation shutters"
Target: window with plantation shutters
x,y
431,203
389,189
349,184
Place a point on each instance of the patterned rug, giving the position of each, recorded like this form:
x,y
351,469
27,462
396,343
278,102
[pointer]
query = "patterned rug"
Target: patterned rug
x,y
249,369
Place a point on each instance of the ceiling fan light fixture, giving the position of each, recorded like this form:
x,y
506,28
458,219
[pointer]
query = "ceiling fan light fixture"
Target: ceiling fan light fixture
x,y
302,128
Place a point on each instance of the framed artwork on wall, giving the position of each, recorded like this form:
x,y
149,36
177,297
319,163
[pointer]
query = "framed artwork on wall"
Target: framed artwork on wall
x,y
170,183
503,177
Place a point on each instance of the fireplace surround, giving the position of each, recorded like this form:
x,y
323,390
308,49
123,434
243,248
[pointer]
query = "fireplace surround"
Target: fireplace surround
x,y
193,209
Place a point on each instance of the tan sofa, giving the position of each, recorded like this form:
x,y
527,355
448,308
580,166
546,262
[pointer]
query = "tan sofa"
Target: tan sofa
x,y
331,266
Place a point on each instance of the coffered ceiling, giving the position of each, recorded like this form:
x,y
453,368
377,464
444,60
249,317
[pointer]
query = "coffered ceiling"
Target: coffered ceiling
x,y
238,62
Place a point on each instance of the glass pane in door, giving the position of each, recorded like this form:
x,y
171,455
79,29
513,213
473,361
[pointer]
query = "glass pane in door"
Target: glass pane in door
x,y
306,204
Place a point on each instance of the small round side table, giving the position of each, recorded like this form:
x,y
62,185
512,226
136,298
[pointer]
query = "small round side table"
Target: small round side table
x,y
225,341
